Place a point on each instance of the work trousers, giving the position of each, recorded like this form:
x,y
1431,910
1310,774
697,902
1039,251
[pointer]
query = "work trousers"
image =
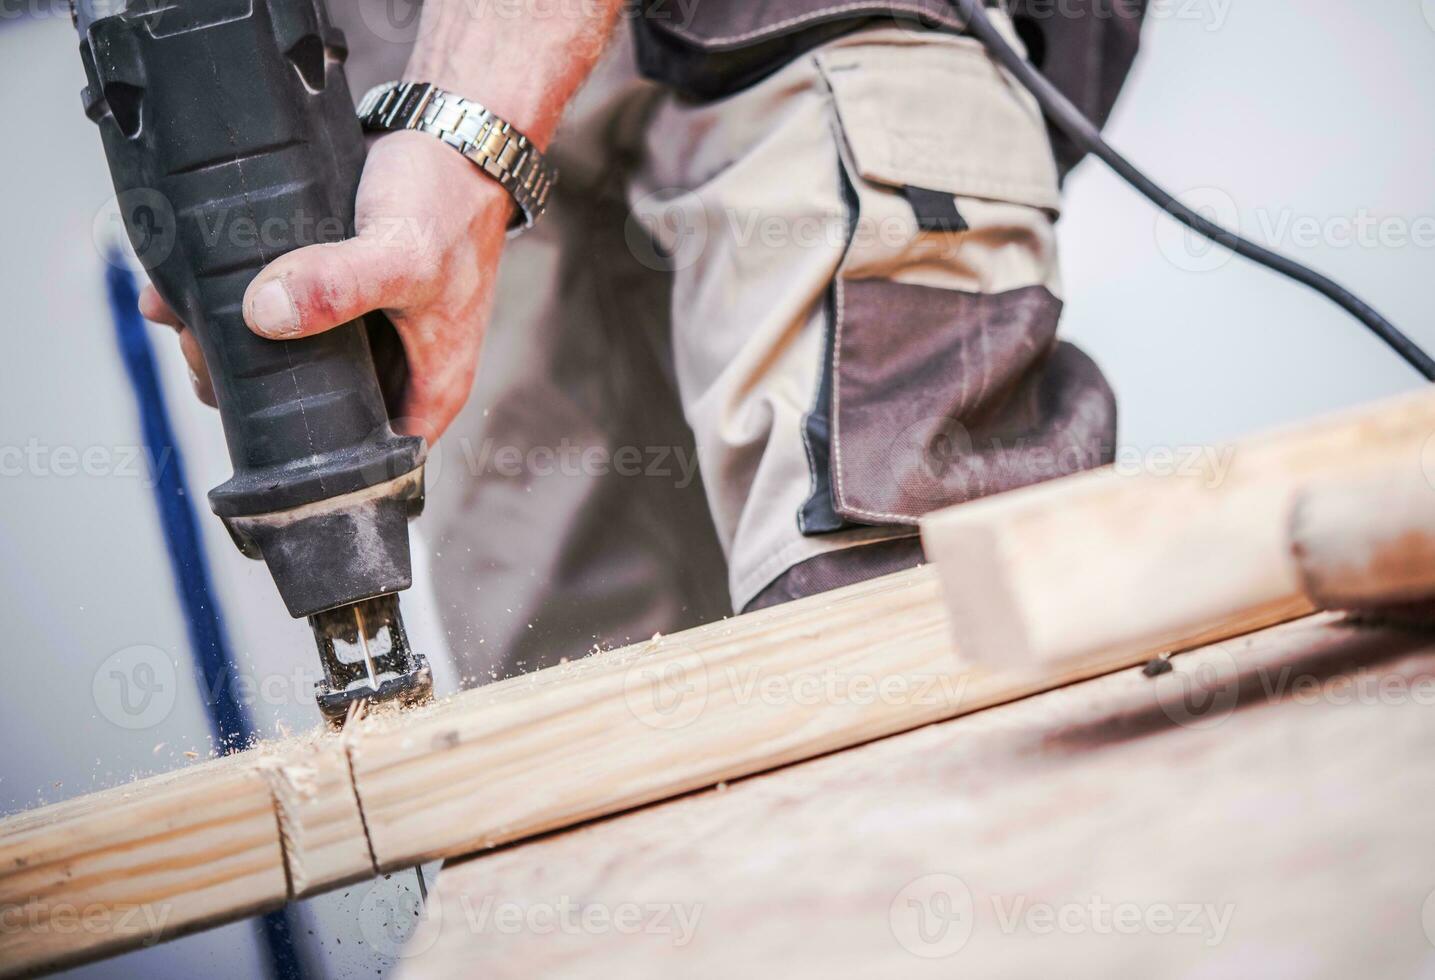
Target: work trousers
x,y
753,342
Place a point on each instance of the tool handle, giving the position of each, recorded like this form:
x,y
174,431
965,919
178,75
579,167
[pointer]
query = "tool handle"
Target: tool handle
x,y
232,140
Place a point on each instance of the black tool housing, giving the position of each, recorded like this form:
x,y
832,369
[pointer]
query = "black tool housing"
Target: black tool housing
x,y
231,137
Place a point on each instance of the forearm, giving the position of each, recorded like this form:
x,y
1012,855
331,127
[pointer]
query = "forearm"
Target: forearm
x,y
523,59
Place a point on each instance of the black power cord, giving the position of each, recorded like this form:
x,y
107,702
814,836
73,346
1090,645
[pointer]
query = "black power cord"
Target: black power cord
x,y
1070,120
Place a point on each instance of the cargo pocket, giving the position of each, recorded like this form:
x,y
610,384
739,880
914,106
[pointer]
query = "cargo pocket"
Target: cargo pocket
x,y
943,380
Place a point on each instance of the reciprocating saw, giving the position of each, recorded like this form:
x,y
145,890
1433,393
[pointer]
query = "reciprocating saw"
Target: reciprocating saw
x,y
232,139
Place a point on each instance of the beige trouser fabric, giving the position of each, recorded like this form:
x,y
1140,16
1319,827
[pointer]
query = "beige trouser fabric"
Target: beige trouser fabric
x,y
794,246
568,510
775,310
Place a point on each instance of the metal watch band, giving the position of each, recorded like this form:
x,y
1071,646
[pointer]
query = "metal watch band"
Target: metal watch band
x,y
497,148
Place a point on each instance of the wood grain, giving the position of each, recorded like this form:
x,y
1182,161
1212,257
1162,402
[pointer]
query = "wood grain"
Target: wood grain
x,y
171,854
1260,811
1112,561
136,864
592,737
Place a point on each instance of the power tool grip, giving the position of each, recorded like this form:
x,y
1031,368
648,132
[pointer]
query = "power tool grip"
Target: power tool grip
x,y
232,139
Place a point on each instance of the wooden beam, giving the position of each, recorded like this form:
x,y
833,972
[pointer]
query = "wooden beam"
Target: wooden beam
x,y
498,764
175,853
1108,562
136,864
1367,540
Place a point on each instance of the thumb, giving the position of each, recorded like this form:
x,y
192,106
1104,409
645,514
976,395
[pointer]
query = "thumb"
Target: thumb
x,y
318,287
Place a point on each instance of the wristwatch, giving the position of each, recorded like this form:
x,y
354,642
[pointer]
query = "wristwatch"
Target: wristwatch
x,y
491,143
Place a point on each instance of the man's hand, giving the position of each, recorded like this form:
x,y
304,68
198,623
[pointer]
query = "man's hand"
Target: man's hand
x,y
430,230
430,225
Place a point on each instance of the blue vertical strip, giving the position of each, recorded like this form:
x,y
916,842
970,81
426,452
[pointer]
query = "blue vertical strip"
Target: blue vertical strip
x,y
207,638
229,720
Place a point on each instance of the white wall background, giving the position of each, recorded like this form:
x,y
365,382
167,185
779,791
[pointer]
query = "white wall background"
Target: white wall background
x,y
1310,117
1305,116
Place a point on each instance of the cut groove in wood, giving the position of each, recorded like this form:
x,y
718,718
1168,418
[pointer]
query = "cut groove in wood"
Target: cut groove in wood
x,y
321,827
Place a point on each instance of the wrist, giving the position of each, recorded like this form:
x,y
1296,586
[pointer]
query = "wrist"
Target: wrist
x,y
427,161
523,62
491,143
522,105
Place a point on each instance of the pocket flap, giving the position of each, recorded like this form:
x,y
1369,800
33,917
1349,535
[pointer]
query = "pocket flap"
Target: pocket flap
x,y
939,114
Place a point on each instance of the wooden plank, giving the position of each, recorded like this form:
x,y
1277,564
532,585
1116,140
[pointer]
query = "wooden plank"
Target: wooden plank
x,y
1262,810
168,855
1106,561
617,730
132,865
626,727
515,759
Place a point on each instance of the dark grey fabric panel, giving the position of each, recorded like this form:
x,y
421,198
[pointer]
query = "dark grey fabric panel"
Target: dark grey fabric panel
x,y
838,568
934,210
1086,48
944,396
